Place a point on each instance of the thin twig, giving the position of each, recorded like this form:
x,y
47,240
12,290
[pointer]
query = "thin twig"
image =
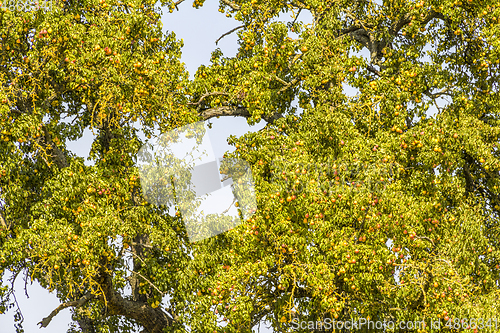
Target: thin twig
x,y
286,84
296,17
229,32
178,3
14,277
231,4
215,93
424,237
136,256
142,276
231,205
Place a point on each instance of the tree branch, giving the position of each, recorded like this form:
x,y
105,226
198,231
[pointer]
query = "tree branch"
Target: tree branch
x,y
3,221
215,93
469,181
57,154
398,25
154,320
361,36
257,317
365,35
296,17
286,85
438,94
178,3
235,111
373,70
78,303
138,244
229,32
86,324
231,4
144,278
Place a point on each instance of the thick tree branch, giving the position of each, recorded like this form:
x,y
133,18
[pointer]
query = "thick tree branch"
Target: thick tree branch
x,y
78,303
365,35
361,36
432,15
399,24
224,111
140,244
235,111
438,94
138,262
296,17
470,185
406,19
154,320
373,70
59,157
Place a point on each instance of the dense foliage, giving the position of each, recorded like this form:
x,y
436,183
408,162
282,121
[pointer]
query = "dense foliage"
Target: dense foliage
x,y
382,206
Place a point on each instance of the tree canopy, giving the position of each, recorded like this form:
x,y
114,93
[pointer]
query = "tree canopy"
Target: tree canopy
x,y
381,205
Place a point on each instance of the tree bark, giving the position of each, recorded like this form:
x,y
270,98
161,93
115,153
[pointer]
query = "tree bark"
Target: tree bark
x,y
235,111
154,320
